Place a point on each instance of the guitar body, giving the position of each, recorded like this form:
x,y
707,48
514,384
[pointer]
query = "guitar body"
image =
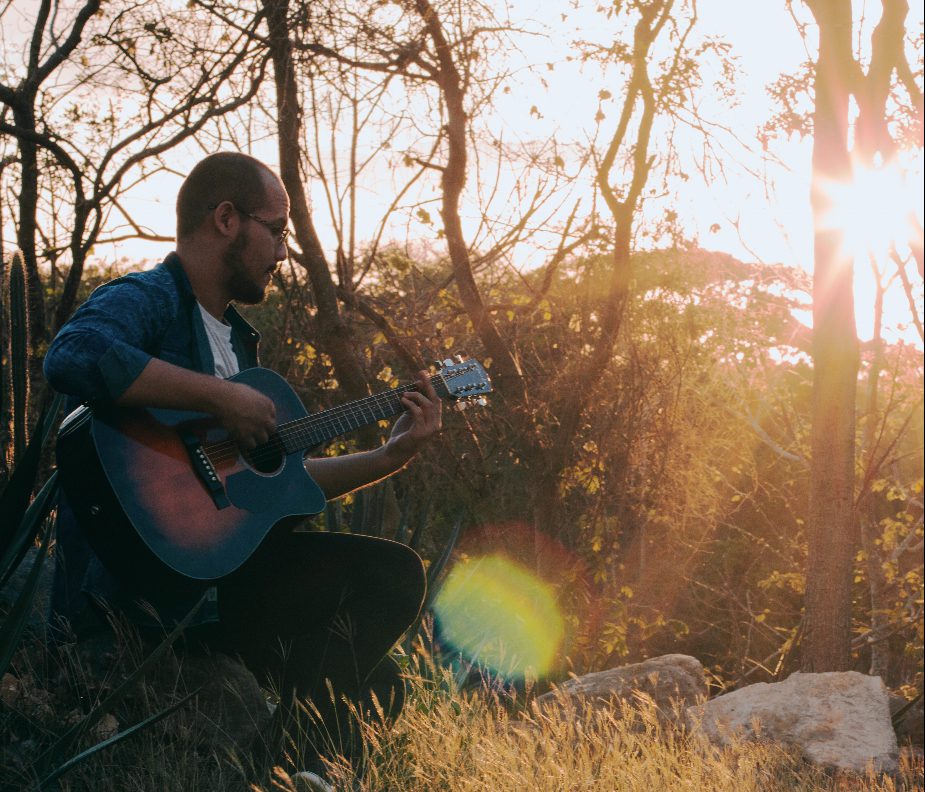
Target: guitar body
x,y
153,519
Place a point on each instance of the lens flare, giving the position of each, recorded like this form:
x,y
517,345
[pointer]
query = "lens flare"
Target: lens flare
x,y
499,615
875,209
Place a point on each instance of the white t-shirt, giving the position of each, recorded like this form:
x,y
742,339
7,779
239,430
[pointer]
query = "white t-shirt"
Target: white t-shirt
x,y
219,335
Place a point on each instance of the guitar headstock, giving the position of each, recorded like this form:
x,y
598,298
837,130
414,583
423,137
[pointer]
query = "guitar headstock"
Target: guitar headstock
x,y
465,380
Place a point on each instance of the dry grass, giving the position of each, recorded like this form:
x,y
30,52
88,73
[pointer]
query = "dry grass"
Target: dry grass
x,y
448,739
479,741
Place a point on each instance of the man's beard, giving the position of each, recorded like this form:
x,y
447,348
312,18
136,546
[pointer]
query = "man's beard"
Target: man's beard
x,y
243,289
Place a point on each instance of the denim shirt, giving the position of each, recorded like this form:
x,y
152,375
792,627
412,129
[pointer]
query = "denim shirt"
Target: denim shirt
x,y
94,359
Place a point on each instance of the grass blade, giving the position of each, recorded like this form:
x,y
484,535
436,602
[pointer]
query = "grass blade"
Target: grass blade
x,y
15,497
84,755
15,623
28,529
65,741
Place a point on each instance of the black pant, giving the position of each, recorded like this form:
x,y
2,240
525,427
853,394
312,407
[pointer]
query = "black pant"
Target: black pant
x,y
316,609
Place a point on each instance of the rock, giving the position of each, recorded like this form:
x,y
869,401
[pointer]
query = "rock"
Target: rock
x,y
10,690
107,727
911,724
229,699
839,720
672,682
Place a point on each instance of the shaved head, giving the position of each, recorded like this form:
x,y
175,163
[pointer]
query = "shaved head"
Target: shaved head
x,y
226,176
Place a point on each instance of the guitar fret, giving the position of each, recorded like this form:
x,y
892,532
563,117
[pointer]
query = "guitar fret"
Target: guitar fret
x,y
314,430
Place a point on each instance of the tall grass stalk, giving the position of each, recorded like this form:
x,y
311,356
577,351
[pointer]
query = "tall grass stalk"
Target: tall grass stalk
x,y
448,739
452,740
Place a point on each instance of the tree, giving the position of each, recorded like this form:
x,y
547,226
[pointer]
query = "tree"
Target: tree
x,y
168,74
439,49
334,333
43,58
837,76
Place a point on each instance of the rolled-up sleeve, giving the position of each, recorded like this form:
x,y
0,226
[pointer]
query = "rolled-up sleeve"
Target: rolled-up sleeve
x,y
110,339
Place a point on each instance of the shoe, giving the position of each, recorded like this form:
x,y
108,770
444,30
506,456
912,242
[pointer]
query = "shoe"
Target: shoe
x,y
306,781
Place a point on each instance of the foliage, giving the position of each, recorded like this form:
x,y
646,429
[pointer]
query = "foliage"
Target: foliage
x,y
70,702
695,446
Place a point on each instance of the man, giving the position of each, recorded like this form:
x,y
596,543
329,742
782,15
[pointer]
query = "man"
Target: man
x,y
307,607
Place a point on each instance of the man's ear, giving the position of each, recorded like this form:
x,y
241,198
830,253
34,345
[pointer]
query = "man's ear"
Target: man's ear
x,y
225,219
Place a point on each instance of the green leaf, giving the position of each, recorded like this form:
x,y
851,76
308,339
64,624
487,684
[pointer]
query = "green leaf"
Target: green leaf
x,y
28,529
433,579
436,568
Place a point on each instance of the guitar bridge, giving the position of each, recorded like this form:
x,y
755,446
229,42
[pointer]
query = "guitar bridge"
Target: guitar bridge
x,y
204,468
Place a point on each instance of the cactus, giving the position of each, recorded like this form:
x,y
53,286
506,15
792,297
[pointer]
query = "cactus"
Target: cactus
x,y
4,407
19,351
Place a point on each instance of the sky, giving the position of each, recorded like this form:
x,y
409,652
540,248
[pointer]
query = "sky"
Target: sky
x,y
766,219
749,224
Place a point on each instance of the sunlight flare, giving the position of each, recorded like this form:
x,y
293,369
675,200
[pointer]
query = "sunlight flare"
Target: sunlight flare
x,y
876,209
499,615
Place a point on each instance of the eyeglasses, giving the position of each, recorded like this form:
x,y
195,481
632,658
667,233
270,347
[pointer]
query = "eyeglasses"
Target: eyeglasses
x,y
280,231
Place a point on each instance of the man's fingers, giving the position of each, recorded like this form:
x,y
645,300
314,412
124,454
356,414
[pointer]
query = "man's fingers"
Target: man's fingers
x,y
419,404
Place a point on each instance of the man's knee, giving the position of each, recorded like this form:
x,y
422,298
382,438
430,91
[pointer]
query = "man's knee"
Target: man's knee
x,y
408,580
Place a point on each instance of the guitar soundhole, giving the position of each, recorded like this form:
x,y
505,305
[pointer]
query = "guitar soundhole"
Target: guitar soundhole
x,y
266,458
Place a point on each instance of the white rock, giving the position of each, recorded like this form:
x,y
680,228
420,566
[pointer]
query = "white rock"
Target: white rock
x,y
839,720
670,681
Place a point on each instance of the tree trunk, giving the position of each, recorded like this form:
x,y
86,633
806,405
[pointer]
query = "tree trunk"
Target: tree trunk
x,y
867,517
24,117
506,373
827,639
623,205
335,336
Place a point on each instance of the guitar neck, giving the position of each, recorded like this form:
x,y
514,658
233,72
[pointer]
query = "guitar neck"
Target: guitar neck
x,y
317,429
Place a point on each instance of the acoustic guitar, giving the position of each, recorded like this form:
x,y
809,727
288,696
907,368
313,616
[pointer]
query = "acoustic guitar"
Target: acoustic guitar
x,y
167,496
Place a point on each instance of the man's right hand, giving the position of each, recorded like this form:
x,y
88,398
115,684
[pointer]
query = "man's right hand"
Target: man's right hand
x,y
247,415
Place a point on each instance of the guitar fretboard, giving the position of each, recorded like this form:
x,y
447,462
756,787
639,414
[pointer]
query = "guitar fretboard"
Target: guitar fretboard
x,y
315,430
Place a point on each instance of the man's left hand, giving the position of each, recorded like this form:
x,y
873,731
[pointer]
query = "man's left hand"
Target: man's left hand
x,y
421,420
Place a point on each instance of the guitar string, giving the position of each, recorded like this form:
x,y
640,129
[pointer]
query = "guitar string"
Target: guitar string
x,y
305,432
301,430
346,417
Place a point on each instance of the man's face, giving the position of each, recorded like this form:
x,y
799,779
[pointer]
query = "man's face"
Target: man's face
x,y
255,253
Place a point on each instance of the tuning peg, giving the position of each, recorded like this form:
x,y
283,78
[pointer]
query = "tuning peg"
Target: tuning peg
x,y
481,401
460,357
461,405
448,362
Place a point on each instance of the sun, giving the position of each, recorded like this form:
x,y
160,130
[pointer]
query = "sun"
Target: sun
x,y
876,209
876,213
